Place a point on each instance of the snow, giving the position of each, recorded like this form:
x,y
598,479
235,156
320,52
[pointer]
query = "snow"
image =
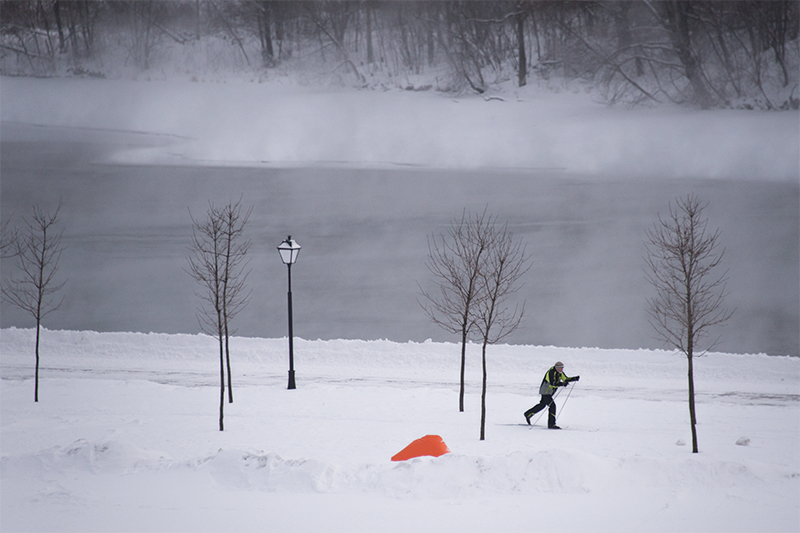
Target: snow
x,y
125,438
282,123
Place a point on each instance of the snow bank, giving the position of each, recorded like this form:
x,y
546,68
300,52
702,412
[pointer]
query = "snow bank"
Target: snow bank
x,y
125,437
451,476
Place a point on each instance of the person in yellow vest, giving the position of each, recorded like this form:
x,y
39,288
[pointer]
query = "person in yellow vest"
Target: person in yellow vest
x,y
553,379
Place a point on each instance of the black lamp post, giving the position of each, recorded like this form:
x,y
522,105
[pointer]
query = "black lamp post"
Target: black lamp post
x,y
289,250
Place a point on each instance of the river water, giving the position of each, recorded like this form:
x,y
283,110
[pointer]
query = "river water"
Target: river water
x,y
363,233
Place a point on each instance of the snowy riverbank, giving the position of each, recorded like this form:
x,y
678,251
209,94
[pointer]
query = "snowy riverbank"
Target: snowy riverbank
x,y
125,437
362,177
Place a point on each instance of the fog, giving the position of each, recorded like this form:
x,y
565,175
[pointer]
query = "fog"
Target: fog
x,y
361,179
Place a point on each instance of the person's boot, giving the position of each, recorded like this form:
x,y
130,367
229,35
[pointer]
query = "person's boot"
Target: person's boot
x,y
553,427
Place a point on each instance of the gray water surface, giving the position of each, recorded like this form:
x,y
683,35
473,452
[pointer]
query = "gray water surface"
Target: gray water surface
x,y
363,233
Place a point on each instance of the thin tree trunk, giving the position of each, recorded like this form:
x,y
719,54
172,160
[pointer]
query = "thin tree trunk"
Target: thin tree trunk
x,y
197,20
228,363
40,285
268,33
522,73
370,52
225,314
690,337
463,368
536,36
265,34
429,37
221,382
36,379
483,393
692,412
691,407
678,20
62,44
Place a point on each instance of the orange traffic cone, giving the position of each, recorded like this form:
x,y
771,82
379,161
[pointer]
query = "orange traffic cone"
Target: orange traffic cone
x,y
432,445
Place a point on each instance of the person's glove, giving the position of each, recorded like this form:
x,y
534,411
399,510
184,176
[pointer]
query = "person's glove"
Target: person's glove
x,y
576,378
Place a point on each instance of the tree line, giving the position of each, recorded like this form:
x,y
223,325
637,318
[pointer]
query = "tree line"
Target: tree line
x,y
707,53
476,269
478,266
217,261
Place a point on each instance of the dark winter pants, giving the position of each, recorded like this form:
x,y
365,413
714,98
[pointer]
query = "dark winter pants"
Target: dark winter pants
x,y
547,399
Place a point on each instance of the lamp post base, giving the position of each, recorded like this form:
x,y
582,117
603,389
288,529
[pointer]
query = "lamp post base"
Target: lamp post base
x,y
291,380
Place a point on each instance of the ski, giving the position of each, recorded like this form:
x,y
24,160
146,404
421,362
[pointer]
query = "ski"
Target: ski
x,y
568,428
564,428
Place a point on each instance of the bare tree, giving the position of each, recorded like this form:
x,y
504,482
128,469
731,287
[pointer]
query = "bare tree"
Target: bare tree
x,y
263,16
332,19
235,296
501,270
675,19
216,262
143,21
37,247
454,261
706,53
682,257
522,60
205,266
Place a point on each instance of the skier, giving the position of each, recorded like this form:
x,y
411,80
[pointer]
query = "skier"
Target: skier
x,y
553,379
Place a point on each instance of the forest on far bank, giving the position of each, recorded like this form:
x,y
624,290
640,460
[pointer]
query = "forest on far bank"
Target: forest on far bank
x,y
709,54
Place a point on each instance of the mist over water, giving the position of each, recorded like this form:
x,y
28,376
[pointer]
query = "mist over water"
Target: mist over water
x,y
363,233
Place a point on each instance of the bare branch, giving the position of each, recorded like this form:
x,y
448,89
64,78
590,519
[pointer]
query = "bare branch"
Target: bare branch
x,y
500,277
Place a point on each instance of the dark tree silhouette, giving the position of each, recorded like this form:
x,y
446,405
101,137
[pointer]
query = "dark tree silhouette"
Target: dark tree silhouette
x,y
682,260
454,260
217,263
37,248
501,271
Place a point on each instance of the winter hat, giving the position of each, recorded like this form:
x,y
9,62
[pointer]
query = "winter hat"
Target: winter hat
x,y
559,364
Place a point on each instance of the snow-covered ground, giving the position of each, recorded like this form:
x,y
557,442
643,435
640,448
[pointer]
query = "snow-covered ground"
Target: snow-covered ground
x,y
125,438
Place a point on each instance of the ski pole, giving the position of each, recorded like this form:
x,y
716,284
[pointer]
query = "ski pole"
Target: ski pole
x,y
558,391
561,411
